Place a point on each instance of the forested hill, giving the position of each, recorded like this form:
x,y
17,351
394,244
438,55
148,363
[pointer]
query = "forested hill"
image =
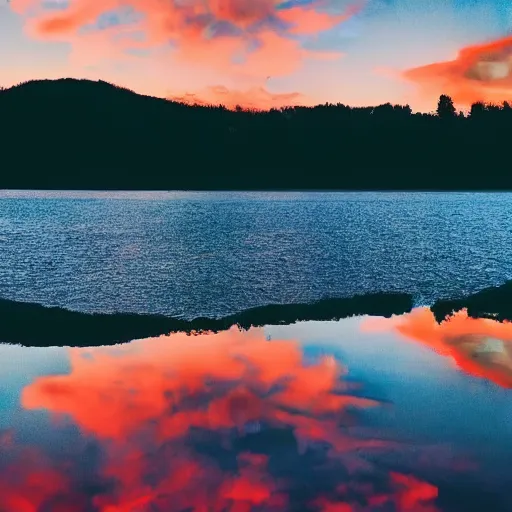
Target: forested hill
x,y
78,134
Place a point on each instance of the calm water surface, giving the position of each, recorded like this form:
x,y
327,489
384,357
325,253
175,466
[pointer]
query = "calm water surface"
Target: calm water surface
x,y
364,414
361,415
190,254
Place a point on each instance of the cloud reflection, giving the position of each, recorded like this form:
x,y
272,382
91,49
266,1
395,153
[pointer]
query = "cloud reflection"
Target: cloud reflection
x,y
478,346
218,422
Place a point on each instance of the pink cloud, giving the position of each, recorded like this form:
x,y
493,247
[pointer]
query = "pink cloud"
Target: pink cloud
x,y
479,73
460,338
144,404
241,12
257,98
306,20
185,30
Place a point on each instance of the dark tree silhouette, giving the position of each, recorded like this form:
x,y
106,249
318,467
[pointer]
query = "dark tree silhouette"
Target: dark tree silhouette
x,y
80,134
478,111
445,107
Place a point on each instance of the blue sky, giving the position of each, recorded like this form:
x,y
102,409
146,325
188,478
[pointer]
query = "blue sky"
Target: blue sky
x,y
302,51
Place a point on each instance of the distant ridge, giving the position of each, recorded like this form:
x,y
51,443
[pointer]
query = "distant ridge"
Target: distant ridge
x,y
85,135
494,302
78,89
35,325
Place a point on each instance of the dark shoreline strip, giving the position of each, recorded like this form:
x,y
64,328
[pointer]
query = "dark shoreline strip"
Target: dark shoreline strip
x,y
40,326
36,325
494,302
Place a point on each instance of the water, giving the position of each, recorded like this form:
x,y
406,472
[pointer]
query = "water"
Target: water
x,y
359,415
191,254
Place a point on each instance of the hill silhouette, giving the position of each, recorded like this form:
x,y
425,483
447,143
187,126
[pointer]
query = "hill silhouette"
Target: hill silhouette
x,y
80,134
494,302
36,325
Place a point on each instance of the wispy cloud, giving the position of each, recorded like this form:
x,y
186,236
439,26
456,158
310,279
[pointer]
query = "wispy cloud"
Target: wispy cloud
x,y
172,420
256,39
257,98
479,73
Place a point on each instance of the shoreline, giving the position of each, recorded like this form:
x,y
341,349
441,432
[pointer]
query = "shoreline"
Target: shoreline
x,y
32,324
35,325
260,190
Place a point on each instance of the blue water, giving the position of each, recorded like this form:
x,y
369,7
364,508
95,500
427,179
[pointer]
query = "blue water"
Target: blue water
x,y
108,421
190,254
177,423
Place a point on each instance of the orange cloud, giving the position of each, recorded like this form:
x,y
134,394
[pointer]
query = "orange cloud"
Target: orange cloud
x,y
242,12
479,73
152,404
410,494
224,357
257,98
256,46
307,20
76,16
30,481
478,346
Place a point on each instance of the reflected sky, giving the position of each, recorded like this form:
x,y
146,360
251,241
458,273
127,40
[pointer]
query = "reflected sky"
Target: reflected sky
x,y
356,415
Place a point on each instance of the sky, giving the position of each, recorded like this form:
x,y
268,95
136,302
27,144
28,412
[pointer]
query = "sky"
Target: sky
x,y
268,53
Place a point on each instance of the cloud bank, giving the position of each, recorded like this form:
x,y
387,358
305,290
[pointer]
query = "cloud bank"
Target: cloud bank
x,y
478,346
236,38
257,98
478,73
224,422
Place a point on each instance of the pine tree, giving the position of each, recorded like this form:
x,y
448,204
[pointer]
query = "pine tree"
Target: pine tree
x,y
446,108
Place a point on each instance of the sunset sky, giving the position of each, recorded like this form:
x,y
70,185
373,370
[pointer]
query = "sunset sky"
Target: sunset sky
x,y
263,53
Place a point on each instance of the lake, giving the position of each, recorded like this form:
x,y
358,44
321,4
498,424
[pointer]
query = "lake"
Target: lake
x,y
191,253
363,414
399,414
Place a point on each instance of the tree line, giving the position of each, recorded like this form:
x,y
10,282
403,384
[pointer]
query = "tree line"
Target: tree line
x,y
79,134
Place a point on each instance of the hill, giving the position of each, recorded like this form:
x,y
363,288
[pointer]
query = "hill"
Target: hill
x,y
37,325
79,134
